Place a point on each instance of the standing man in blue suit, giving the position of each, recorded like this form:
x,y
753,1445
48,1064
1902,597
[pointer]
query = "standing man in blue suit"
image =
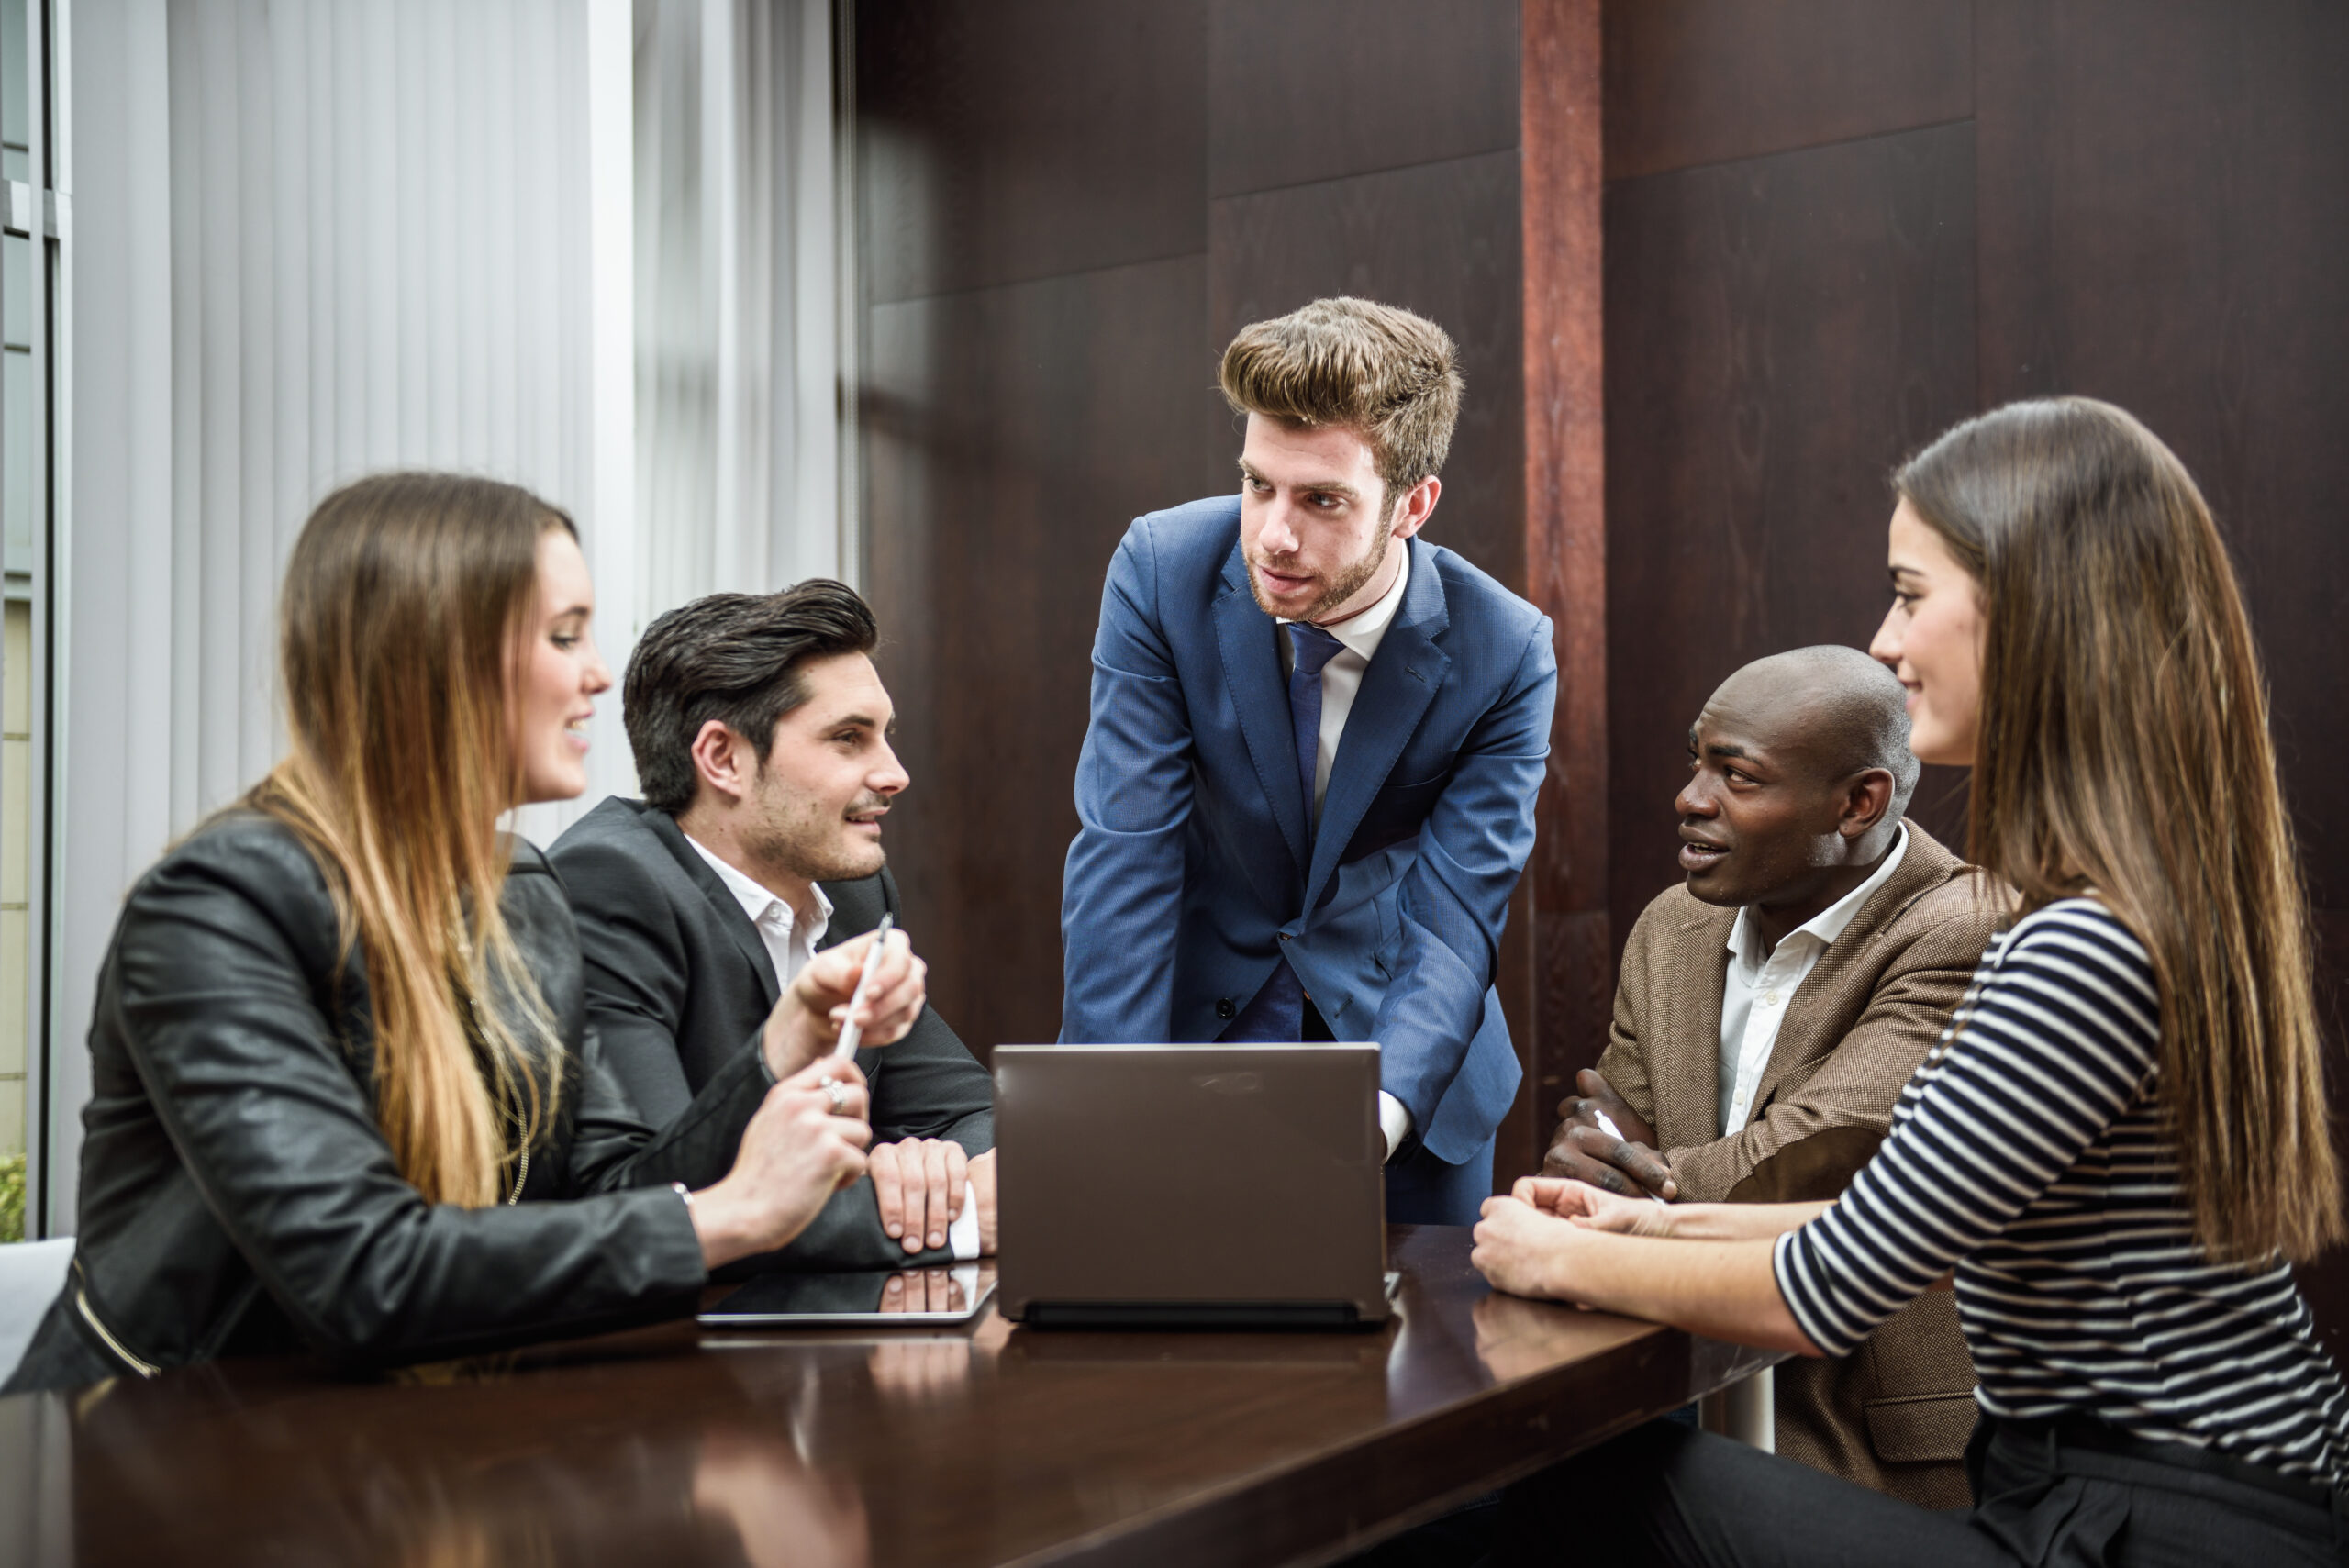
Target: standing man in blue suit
x,y
1308,787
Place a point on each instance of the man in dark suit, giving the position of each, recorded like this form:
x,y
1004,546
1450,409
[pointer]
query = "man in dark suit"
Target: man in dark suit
x,y
761,735
1771,1007
1308,787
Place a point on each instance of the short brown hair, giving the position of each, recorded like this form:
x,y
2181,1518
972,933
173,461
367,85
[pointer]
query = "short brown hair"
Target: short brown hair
x,y
1369,367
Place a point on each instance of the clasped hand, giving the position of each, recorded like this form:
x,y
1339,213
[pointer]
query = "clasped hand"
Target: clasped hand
x,y
920,1184
1524,1239
1583,1150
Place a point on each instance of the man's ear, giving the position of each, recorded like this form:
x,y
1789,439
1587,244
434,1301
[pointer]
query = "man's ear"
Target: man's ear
x,y
724,761
1866,798
1418,505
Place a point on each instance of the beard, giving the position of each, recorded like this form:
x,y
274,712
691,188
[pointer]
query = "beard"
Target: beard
x,y
801,836
1342,586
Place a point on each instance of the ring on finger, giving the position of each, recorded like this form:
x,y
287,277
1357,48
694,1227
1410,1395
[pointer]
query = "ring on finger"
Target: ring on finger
x,y
836,1092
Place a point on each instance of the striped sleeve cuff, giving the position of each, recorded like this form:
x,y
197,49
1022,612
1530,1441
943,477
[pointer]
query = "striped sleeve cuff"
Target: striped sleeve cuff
x,y
1795,1264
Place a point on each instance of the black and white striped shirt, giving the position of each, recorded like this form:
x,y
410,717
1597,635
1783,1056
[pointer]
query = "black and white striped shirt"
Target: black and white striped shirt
x,y
2031,1155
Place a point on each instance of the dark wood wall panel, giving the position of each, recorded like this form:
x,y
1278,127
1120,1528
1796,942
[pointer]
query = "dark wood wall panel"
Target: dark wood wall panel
x,y
1692,81
1438,239
1001,141
1307,90
2187,264
1781,332
1011,434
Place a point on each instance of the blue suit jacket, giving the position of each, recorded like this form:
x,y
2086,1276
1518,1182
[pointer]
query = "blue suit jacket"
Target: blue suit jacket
x,y
1195,868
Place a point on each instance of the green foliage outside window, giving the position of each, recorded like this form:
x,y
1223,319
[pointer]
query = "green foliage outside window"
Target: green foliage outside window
x,y
12,1197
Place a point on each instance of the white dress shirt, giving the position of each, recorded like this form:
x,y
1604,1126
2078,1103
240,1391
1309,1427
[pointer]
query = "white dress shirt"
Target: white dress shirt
x,y
1360,636
791,945
1760,986
1341,679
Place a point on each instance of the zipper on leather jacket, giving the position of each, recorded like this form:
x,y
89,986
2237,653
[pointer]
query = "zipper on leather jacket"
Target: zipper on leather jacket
x,y
105,1335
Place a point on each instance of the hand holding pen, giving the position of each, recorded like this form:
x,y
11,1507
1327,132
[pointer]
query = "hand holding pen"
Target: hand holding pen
x,y
868,991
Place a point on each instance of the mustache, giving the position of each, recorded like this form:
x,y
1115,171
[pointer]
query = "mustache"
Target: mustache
x,y
864,804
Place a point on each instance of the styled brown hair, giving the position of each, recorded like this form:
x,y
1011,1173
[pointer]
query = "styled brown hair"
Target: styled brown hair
x,y
2123,750
1368,367
404,608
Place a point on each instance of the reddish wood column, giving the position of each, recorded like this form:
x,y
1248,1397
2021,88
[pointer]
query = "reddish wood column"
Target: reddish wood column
x,y
1565,533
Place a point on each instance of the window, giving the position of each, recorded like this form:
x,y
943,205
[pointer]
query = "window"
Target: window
x,y
29,257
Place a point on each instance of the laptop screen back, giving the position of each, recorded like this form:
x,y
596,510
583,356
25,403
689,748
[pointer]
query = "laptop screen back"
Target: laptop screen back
x,y
1190,1174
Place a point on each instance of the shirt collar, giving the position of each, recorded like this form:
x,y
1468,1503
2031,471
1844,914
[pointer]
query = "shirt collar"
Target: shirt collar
x,y
1362,634
754,897
1746,938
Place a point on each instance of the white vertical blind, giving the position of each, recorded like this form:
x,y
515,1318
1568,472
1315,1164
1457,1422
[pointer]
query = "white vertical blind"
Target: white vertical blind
x,y
319,240
584,245
737,308
379,221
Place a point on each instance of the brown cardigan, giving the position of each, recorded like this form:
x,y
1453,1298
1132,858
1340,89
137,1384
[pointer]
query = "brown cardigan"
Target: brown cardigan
x,y
1895,1414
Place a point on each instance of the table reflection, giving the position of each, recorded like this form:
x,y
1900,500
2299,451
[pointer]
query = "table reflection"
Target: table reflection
x,y
689,1465
1516,1338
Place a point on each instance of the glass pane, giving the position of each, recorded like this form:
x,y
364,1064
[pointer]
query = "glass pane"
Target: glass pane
x,y
15,86
18,410
17,291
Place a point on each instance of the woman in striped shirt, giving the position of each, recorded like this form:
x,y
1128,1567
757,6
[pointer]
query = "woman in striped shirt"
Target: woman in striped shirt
x,y
2120,1143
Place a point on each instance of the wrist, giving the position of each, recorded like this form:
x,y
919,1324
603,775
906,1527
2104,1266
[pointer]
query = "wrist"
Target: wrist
x,y
787,1043
720,1225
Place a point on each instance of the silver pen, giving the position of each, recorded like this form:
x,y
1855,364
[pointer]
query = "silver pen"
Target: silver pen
x,y
1607,1125
851,1033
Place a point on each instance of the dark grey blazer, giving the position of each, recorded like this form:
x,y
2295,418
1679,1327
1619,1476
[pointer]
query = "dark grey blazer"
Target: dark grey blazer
x,y
678,983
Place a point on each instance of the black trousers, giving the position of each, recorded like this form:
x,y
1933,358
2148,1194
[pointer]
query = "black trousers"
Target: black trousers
x,y
1666,1494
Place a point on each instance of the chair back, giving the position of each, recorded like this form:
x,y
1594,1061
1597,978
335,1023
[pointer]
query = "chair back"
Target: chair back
x,y
31,1273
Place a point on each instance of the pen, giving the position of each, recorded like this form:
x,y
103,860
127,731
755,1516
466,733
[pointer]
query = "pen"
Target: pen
x,y
1607,1125
851,1033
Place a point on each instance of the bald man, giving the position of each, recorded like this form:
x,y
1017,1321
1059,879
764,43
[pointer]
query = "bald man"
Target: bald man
x,y
1770,1008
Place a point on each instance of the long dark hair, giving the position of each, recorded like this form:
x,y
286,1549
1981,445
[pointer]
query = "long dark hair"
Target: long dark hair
x,y
2123,750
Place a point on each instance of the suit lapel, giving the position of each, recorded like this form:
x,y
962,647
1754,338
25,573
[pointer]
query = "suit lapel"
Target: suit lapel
x,y
1823,1007
1251,675
1402,680
730,919
1687,1066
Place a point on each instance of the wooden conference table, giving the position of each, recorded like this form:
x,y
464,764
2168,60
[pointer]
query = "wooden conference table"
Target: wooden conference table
x,y
992,1444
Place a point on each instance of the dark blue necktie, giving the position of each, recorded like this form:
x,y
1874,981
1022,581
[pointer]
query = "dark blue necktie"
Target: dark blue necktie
x,y
1277,1010
1314,648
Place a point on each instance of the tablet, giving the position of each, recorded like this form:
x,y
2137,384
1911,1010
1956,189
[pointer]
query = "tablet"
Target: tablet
x,y
885,1298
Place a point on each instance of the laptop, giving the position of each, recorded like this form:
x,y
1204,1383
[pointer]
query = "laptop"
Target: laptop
x,y
1152,1187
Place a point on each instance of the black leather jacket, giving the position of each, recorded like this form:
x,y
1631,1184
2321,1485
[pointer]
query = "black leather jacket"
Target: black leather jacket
x,y
237,1196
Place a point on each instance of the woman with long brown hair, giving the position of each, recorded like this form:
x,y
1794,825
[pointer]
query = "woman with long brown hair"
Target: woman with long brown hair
x,y
342,1095
2121,1144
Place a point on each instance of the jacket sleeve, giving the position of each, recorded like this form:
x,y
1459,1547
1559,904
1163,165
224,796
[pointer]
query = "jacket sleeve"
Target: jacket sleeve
x,y
224,1023
928,1085
1122,893
1809,1142
1453,902
637,975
